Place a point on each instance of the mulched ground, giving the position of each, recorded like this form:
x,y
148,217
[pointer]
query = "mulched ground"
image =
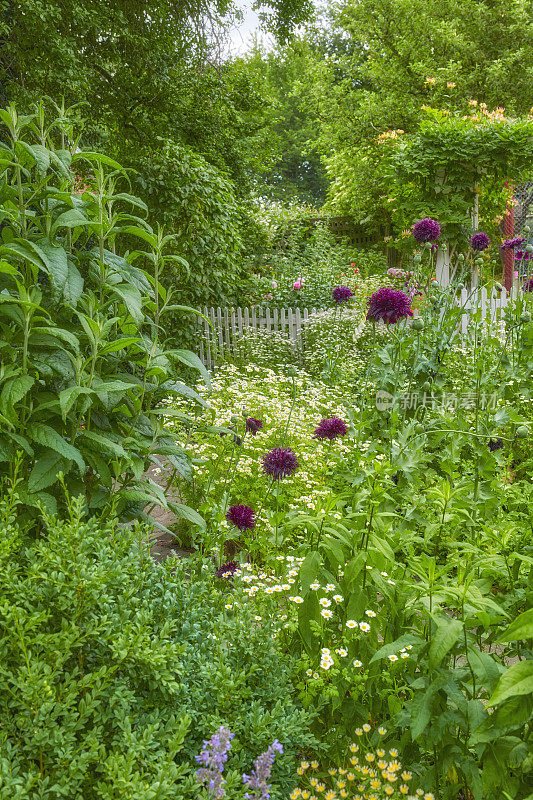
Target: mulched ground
x,y
163,544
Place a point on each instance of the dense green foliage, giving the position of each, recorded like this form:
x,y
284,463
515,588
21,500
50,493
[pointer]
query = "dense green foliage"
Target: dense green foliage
x,y
400,552
83,365
114,669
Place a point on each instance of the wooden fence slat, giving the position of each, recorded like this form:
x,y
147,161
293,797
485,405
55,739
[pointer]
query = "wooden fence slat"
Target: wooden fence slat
x,y
220,331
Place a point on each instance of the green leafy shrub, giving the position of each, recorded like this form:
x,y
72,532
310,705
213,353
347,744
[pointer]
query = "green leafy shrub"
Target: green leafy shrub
x,y
82,365
192,198
114,668
314,257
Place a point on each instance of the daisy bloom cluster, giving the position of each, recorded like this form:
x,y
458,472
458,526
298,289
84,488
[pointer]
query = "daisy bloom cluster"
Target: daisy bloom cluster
x,y
368,775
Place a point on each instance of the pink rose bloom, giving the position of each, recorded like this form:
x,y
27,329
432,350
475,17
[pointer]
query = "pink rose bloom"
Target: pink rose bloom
x,y
297,284
274,284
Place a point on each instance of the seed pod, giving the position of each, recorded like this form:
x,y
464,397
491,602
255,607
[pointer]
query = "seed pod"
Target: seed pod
x,y
525,316
417,324
522,432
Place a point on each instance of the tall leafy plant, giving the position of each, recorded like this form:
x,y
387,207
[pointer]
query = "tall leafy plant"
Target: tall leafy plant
x,y
82,367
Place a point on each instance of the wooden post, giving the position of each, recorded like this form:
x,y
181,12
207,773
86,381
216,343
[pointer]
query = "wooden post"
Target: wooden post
x,y
508,229
475,225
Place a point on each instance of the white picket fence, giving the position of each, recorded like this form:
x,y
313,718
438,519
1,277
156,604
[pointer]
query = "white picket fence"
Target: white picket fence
x,y
222,329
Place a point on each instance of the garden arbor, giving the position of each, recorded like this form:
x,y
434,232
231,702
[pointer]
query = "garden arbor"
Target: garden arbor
x,y
453,160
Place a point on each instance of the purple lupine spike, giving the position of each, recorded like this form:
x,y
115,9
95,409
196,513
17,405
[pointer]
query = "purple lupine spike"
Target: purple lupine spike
x,y
213,756
257,781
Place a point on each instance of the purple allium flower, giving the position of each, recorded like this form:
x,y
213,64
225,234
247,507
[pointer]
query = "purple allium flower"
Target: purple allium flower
x,y
257,781
522,255
228,569
341,294
213,756
253,425
495,444
426,230
527,286
510,244
389,305
242,517
331,429
479,241
280,463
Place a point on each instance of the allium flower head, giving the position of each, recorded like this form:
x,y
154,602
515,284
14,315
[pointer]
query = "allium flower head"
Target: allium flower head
x,y
280,463
228,569
253,425
523,255
479,241
426,230
495,444
389,305
510,244
341,294
528,285
331,429
242,517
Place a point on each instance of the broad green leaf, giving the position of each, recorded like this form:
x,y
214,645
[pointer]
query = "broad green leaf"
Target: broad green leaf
x,y
309,570
181,464
134,230
192,360
102,442
520,628
58,333
68,397
55,259
42,157
73,218
22,250
443,639
49,437
517,680
132,300
176,387
119,344
8,269
12,392
138,496
100,158
112,386
185,512
73,286
394,647
46,470
135,201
